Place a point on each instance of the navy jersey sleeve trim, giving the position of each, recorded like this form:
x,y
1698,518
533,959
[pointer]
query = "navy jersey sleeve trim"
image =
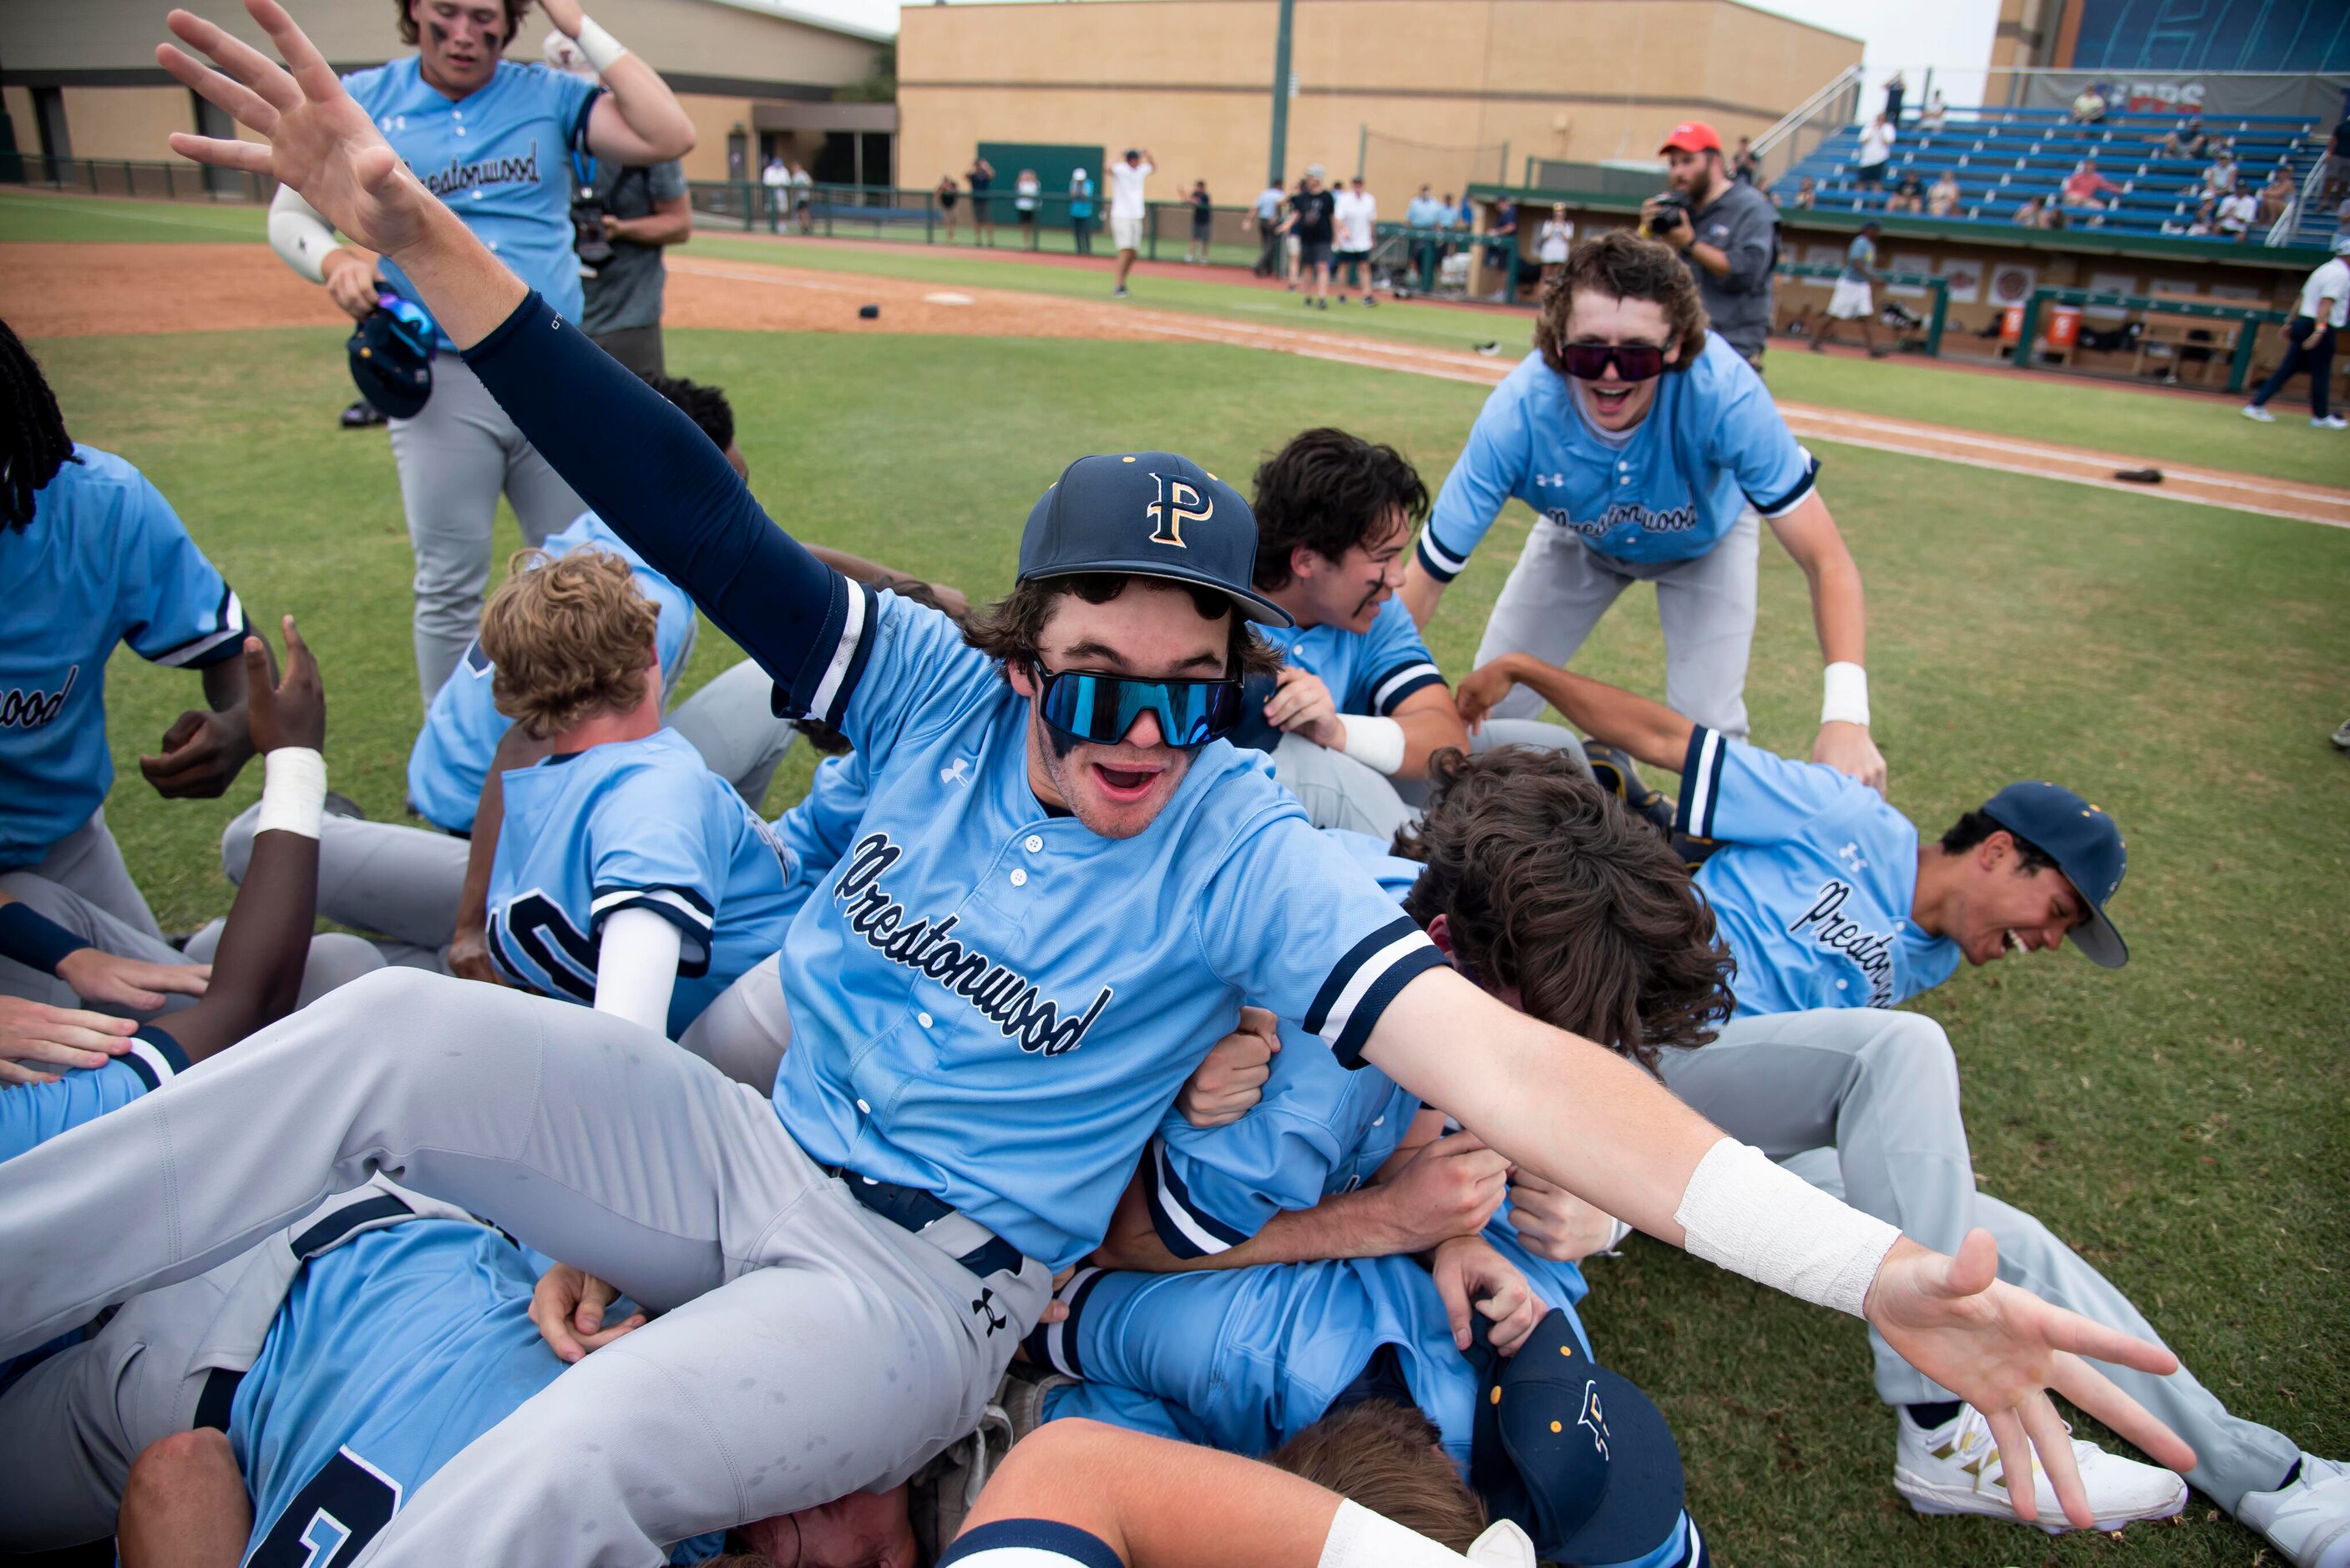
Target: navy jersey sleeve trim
x,y
1364,982
1701,783
1436,561
649,473
210,647
683,907
579,126
1794,497
155,1056
1184,1228
1029,1543
1389,690
347,1222
1055,1344
34,940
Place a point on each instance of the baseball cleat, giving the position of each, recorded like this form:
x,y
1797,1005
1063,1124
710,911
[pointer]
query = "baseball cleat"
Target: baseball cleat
x,y
2254,411
1956,1469
2330,423
2308,1520
1614,770
2342,735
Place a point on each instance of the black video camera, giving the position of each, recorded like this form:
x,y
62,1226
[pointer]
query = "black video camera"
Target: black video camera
x,y
588,240
1669,211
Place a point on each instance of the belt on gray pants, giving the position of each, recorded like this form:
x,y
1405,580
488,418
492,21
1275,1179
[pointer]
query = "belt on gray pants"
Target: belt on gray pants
x,y
960,1237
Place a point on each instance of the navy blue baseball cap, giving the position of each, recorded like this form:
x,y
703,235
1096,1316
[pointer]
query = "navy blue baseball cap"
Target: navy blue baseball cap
x,y
2087,845
1151,513
1570,1450
392,356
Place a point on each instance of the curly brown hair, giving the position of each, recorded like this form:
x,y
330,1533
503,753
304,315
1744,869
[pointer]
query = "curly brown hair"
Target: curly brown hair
x,y
515,11
1622,265
570,635
1547,884
1330,490
1008,630
1386,1457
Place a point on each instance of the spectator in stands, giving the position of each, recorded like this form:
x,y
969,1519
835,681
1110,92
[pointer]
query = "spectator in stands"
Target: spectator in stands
x,y
981,177
1313,221
1551,246
2085,187
1727,233
1896,89
2219,180
2206,219
1806,194
1203,222
2236,214
1909,194
1081,211
803,198
947,194
1355,218
2335,178
2030,215
1028,194
1129,208
1854,298
1875,148
1264,217
1746,166
2187,139
2309,338
2276,196
2090,107
1942,200
1501,246
1935,115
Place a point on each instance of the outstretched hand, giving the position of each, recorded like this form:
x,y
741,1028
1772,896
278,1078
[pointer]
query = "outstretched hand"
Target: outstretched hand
x,y
320,140
2002,1350
293,712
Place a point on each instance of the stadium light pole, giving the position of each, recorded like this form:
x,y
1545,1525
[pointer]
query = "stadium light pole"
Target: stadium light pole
x,y
1280,152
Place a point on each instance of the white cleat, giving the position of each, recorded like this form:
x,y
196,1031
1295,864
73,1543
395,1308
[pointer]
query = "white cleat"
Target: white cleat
x,y
2308,1520
2254,411
1956,1469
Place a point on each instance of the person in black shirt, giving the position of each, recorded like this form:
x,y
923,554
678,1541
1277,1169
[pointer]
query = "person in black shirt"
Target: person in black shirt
x,y
1310,219
1203,222
1501,248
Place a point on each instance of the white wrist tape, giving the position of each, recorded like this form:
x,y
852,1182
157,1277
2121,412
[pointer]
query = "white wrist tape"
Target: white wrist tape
x,y
1361,1539
1744,1213
600,47
1376,743
293,792
1845,694
299,234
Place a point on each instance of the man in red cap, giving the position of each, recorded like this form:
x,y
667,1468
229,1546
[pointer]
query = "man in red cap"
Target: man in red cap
x,y
1727,233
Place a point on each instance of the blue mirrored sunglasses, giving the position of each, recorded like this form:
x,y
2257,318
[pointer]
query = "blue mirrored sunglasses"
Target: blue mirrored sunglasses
x,y
1102,708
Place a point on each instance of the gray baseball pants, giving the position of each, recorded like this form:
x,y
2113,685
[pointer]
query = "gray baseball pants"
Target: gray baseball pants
x,y
335,959
1865,1103
89,862
1339,791
455,459
1561,587
808,1347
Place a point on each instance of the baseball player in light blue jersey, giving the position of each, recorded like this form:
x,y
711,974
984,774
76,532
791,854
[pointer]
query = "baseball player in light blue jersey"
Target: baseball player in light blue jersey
x,y
492,140
1838,912
1647,446
92,555
1064,885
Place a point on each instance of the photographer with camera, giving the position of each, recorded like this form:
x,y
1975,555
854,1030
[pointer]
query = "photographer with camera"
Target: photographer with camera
x,y
621,217
1726,230
490,139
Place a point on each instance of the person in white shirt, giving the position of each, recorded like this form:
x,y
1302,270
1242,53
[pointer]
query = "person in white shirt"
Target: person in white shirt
x,y
1934,115
2236,214
803,193
775,174
1264,217
1357,211
1876,150
1551,246
1028,196
2219,180
2317,320
1126,206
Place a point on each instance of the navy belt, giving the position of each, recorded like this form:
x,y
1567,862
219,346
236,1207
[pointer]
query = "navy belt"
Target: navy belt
x,y
911,1209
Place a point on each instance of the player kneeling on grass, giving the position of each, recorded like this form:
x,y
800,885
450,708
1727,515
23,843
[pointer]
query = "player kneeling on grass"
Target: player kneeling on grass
x,y
256,975
1359,706
1836,913
1311,1205
1065,886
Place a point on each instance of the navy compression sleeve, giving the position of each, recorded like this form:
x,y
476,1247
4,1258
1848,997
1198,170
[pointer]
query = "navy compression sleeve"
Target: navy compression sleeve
x,y
648,470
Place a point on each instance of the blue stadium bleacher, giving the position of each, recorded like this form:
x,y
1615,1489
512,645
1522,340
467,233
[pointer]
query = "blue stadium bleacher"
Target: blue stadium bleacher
x,y
2004,157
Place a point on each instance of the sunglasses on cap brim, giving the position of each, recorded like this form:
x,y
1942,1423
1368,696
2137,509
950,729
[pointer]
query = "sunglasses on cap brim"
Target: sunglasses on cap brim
x,y
1102,709
1632,361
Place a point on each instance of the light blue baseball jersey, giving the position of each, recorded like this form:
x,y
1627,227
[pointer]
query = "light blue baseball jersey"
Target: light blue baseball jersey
x,y
1813,886
390,1353
633,825
1712,443
450,760
33,1114
1366,671
104,560
982,978
500,158
819,831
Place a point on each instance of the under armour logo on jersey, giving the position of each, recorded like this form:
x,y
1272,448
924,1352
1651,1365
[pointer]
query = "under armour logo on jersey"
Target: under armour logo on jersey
x,y
1545,481
960,773
1180,502
1850,856
985,1307
1593,1419
24,710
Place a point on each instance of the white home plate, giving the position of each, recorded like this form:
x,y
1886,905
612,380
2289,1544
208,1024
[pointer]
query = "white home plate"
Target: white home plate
x,y
946,299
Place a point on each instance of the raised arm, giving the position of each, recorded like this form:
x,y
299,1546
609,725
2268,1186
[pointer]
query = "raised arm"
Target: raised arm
x,y
1651,732
638,120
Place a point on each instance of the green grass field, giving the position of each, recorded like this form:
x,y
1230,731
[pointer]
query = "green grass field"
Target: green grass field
x,y
2182,1122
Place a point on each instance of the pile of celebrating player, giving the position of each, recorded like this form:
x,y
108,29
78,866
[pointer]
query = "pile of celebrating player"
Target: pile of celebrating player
x,y
1176,1031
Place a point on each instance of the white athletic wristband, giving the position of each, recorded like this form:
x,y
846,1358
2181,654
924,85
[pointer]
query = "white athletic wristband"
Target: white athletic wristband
x,y
1376,743
293,792
1845,694
299,234
1747,1215
1361,1539
600,47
